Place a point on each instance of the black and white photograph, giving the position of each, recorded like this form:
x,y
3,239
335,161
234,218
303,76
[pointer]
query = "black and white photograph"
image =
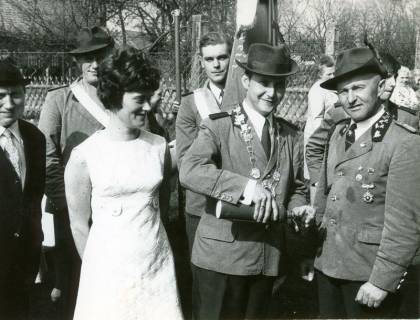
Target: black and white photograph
x,y
209,159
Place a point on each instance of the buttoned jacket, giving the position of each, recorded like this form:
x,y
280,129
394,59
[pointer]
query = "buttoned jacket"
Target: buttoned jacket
x,y
218,166
20,209
315,147
368,206
187,125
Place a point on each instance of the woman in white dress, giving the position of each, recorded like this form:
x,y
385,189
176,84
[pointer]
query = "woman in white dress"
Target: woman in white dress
x,y
113,179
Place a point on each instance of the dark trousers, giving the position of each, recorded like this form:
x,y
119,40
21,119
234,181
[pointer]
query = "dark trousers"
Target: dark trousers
x,y
17,275
223,296
410,294
336,299
67,264
191,224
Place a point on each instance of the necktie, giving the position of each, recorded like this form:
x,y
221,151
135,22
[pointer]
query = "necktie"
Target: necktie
x,y
11,151
265,138
350,135
221,96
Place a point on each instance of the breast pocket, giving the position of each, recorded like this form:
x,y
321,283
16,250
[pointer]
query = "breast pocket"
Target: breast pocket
x,y
370,235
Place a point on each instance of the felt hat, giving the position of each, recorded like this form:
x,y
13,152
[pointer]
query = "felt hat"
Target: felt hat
x,y
91,40
270,61
353,62
10,74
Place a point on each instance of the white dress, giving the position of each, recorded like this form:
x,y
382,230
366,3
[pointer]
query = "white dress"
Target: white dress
x,y
127,267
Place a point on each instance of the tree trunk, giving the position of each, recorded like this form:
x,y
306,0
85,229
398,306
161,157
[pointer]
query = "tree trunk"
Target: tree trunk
x,y
123,33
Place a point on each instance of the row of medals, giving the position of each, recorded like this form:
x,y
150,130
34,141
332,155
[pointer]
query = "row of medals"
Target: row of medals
x,y
368,196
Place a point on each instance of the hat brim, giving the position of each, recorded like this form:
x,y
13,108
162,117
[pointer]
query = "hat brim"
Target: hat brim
x,y
90,49
294,68
21,82
331,84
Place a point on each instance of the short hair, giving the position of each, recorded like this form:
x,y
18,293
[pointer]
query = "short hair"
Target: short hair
x,y
126,70
390,63
213,38
325,61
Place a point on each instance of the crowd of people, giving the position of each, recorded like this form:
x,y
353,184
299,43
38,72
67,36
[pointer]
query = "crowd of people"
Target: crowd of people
x,y
347,188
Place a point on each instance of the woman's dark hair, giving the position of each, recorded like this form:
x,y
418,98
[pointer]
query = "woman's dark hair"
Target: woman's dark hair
x,y
127,70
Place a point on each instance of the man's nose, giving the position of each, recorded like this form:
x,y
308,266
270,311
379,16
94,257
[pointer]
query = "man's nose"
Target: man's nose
x,y
7,102
95,63
216,63
351,97
146,106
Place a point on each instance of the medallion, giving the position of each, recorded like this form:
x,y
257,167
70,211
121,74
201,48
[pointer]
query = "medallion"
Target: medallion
x,y
359,177
368,197
255,173
276,176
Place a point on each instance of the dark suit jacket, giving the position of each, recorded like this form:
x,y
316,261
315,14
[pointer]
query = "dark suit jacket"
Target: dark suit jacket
x,y
367,238
217,165
20,211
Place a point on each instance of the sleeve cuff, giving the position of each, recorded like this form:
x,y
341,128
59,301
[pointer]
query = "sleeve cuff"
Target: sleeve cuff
x,y
249,192
387,275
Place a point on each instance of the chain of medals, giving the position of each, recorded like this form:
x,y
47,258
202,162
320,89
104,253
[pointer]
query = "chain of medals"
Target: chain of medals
x,y
246,133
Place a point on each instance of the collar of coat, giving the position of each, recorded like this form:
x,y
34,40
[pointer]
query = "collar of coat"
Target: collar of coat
x,y
378,129
240,117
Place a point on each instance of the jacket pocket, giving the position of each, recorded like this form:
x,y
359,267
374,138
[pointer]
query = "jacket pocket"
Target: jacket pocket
x,y
371,235
220,230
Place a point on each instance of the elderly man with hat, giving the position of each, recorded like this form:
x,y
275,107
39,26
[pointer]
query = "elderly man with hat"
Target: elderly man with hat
x,y
247,157
367,203
70,115
22,165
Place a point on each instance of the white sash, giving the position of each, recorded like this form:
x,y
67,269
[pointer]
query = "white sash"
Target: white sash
x,y
201,103
89,104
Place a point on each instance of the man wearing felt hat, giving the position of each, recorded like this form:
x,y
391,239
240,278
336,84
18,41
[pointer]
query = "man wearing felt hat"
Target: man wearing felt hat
x,y
69,115
22,165
367,204
247,156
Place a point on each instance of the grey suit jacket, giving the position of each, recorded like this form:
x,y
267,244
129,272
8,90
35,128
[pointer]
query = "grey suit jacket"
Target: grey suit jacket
x,y
65,124
368,205
217,165
187,125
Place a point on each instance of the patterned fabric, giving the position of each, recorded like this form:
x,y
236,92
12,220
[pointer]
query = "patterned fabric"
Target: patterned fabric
x,y
11,150
127,269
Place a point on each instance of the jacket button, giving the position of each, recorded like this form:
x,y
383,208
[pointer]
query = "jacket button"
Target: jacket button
x,y
332,222
16,235
340,173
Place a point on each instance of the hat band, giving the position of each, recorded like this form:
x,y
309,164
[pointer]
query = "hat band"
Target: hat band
x,y
269,67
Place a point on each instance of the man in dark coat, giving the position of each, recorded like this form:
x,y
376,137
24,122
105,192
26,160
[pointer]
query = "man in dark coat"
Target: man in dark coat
x,y
367,200
22,165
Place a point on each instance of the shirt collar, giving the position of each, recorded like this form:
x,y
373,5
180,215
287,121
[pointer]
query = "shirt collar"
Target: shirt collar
x,y
14,129
256,118
367,123
215,90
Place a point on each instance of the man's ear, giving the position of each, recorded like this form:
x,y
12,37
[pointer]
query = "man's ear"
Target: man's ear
x,y
245,81
200,57
381,87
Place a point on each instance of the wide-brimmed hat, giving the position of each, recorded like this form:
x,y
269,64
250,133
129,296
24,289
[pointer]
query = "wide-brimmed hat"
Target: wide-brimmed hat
x,y
91,40
352,62
10,75
267,60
